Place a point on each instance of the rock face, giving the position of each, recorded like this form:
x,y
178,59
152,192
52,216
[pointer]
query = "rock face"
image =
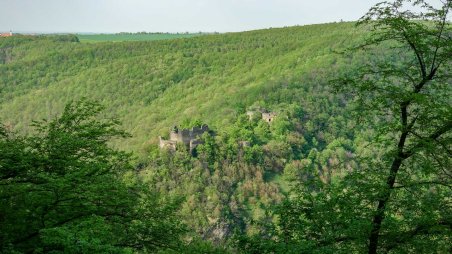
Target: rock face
x,y
188,137
244,144
167,144
218,231
6,55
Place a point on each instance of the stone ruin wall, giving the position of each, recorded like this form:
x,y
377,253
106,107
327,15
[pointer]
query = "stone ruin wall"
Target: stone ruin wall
x,y
188,137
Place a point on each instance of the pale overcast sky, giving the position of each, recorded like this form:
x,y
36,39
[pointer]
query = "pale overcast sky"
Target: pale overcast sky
x,y
172,15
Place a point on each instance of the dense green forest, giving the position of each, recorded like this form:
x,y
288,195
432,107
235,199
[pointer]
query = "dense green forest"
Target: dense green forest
x,y
151,86
133,37
357,158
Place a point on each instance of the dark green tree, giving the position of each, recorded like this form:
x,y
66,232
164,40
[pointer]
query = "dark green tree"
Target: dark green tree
x,y
65,190
410,91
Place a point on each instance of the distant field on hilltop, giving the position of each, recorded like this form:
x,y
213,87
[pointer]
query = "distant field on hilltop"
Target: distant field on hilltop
x,y
132,37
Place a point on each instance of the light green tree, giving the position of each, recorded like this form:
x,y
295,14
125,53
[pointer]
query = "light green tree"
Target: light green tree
x,y
396,198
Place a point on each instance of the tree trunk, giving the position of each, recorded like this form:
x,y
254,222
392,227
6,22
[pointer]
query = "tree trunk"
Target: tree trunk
x,y
379,215
396,163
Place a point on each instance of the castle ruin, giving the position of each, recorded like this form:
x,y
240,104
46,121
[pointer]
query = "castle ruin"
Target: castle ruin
x,y
188,137
263,113
268,117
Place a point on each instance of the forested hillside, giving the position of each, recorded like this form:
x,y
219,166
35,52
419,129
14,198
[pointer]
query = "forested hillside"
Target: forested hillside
x,y
214,80
151,86
93,38
330,138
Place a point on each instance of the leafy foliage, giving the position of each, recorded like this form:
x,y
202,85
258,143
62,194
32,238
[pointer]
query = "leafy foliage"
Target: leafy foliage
x,y
396,198
93,38
359,164
63,190
153,85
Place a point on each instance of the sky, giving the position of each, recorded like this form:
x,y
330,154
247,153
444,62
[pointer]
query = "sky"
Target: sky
x,y
111,16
